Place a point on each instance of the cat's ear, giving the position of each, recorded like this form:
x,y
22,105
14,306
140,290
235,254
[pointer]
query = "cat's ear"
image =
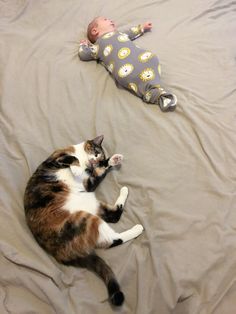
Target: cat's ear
x,y
98,140
67,160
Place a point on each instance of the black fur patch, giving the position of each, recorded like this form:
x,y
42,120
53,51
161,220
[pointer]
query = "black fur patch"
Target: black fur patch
x,y
96,264
66,160
116,242
112,216
63,161
93,182
40,200
56,188
115,295
70,230
104,162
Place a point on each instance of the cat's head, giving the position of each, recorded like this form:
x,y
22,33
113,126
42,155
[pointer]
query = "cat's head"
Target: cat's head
x,y
93,150
85,154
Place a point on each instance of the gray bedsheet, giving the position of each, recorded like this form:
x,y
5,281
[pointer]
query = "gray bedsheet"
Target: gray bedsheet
x,y
179,167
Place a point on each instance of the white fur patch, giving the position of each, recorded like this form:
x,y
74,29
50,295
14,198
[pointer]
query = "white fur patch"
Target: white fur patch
x,y
123,196
81,155
85,201
66,176
131,233
78,198
115,160
73,182
106,235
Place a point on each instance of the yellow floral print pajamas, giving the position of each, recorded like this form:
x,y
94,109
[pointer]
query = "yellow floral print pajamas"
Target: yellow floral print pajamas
x,y
132,67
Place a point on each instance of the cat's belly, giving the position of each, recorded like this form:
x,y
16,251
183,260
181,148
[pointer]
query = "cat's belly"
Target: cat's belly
x,y
85,201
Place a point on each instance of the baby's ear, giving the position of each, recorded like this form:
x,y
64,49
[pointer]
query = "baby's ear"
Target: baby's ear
x,y
94,31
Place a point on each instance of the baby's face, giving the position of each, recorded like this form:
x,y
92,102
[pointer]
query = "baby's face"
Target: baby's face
x,y
105,25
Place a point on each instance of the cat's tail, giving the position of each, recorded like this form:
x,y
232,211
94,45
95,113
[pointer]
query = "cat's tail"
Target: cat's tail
x,y
96,264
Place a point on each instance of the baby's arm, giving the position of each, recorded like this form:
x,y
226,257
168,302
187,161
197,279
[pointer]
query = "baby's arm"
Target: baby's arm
x,y
137,31
87,51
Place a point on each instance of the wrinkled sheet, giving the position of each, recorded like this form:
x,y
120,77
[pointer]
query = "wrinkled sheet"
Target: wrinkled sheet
x,y
179,167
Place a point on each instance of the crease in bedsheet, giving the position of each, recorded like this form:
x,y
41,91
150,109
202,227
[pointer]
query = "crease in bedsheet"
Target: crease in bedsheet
x,y
211,305
183,223
190,287
228,9
10,306
34,287
3,294
177,24
145,287
32,283
45,41
14,257
146,5
60,279
12,10
185,287
13,150
215,155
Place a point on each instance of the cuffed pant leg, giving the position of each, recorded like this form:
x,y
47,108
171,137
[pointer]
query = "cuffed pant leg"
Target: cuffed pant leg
x,y
152,95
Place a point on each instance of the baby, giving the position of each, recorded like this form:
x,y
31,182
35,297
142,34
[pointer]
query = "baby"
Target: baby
x,y
132,67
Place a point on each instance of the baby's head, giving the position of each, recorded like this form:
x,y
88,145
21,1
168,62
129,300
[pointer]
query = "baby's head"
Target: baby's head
x,y
99,26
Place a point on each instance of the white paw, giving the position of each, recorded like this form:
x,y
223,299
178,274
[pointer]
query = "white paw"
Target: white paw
x,y
123,196
115,160
137,230
76,171
124,191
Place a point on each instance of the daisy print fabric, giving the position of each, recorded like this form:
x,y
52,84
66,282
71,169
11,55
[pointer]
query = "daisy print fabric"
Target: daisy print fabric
x,y
145,56
108,35
123,38
94,50
147,75
135,68
123,53
125,70
110,67
133,87
137,29
108,49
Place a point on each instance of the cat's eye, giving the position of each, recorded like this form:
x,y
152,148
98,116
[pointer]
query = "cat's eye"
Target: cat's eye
x,y
96,152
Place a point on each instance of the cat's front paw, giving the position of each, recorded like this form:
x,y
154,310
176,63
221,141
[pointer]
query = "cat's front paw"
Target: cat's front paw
x,y
115,160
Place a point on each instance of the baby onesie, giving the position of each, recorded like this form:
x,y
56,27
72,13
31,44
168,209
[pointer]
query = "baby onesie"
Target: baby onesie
x,y
132,67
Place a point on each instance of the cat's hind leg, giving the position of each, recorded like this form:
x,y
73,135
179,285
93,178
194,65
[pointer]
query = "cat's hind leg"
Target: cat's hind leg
x,y
109,238
113,213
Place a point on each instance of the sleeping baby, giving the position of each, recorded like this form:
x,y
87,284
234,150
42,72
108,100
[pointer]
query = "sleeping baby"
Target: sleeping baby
x,y
134,68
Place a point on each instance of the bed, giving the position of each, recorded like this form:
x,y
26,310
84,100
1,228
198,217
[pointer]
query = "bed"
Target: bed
x,y
179,166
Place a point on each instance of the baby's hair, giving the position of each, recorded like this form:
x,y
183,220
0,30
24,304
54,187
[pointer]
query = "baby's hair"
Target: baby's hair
x,y
92,38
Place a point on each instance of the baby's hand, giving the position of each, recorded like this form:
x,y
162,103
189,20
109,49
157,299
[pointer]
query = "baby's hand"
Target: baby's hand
x,y
84,42
147,26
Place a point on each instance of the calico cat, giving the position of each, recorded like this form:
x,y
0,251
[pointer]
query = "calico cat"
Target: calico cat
x,y
64,215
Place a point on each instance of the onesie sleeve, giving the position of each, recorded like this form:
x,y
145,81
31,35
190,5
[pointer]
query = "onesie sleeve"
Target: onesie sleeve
x,y
134,32
87,52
